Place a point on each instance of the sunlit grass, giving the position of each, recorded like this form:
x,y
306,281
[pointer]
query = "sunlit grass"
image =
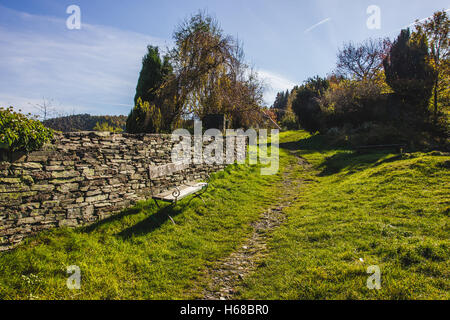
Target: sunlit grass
x,y
140,253
384,209
387,210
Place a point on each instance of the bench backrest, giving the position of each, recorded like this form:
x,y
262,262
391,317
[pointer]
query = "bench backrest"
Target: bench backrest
x,y
166,169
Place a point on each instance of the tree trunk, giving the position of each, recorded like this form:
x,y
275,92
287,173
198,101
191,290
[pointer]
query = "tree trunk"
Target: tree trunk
x,y
435,100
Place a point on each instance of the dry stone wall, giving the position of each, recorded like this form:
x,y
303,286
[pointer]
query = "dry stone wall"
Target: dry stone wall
x,y
83,177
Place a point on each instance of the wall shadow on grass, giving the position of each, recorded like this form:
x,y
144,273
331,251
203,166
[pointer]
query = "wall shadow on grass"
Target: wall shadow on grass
x,y
345,158
313,143
153,221
114,217
354,162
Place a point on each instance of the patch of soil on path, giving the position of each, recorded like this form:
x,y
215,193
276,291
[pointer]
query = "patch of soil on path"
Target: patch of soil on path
x,y
226,275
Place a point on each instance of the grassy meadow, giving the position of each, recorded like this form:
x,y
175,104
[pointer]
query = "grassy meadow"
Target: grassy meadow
x,y
352,211
356,211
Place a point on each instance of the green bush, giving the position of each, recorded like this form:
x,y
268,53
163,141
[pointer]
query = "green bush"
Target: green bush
x,y
105,126
144,118
306,104
289,121
18,132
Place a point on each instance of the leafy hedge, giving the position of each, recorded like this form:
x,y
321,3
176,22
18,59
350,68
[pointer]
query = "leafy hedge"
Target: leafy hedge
x,y
19,132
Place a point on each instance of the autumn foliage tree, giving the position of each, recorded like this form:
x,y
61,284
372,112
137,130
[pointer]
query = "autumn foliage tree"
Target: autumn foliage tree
x,y
204,73
436,31
381,91
211,75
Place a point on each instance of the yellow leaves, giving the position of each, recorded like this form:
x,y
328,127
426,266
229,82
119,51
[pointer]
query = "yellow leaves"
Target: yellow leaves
x,y
380,80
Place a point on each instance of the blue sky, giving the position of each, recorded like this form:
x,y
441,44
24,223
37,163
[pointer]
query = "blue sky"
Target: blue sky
x,y
95,69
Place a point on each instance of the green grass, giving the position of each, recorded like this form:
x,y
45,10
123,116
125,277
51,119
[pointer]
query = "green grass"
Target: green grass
x,y
140,253
389,210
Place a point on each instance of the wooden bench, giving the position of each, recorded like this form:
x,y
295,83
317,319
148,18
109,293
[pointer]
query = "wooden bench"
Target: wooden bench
x,y
177,192
397,147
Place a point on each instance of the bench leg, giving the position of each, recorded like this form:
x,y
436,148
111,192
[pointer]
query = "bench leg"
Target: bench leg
x,y
171,206
171,219
199,196
157,204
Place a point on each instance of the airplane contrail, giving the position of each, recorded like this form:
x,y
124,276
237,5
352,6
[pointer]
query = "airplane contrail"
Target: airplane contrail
x,y
411,24
317,24
421,20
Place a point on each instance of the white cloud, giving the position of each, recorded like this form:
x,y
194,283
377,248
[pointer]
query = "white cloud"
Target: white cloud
x,y
274,84
93,70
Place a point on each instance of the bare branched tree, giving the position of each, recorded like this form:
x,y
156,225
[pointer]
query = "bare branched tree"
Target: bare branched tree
x,y
45,109
362,61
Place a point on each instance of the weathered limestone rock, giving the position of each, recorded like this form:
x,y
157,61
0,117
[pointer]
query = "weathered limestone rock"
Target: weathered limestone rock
x,y
68,223
28,165
10,181
43,187
67,187
96,198
83,177
55,168
65,174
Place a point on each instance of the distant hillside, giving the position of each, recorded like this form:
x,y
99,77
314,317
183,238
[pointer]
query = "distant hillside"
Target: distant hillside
x,y
84,122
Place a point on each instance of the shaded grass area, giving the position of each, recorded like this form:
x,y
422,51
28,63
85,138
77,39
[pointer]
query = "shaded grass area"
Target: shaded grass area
x,y
139,253
388,210
355,211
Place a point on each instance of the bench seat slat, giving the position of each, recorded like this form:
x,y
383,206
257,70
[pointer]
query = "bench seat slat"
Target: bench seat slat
x,y
184,192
